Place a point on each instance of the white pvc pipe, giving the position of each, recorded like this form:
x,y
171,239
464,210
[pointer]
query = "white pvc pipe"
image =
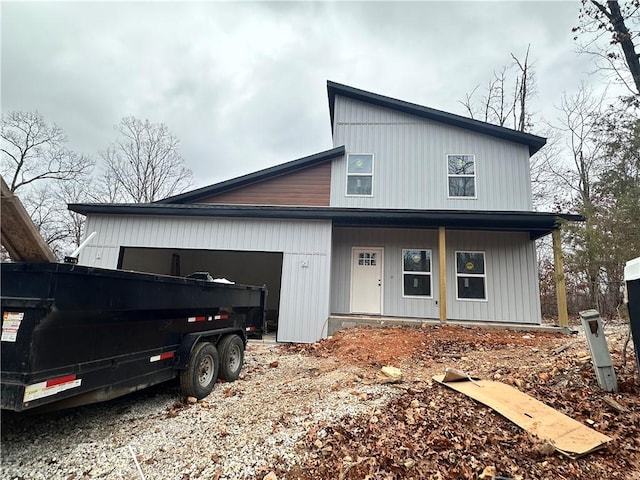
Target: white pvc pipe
x,y
77,251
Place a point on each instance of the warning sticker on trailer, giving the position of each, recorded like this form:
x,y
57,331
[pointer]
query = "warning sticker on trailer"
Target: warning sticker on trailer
x,y
50,387
10,325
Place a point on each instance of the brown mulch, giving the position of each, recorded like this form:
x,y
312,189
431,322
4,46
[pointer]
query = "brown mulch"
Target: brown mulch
x,y
430,431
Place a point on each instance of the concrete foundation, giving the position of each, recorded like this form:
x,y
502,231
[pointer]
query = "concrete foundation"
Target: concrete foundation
x,y
339,322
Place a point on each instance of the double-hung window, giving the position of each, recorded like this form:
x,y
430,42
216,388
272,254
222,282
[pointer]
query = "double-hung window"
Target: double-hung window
x,y
461,173
416,273
360,175
471,276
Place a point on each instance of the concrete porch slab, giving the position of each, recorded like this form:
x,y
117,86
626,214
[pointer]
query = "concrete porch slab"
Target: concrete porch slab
x,y
339,322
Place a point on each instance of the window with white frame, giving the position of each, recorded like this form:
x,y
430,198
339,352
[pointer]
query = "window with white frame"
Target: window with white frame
x,y
461,171
416,273
471,276
360,174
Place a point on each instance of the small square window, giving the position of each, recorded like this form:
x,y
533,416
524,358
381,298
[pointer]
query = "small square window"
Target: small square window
x,y
471,288
470,263
357,185
461,172
367,259
360,164
417,285
360,175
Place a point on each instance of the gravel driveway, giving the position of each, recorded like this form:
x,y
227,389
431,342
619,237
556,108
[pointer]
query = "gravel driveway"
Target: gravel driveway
x,y
231,434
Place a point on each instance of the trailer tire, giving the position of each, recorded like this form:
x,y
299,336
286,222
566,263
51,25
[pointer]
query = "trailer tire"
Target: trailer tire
x,y
231,349
202,372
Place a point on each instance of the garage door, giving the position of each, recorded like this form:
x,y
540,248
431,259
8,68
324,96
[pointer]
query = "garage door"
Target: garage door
x,y
247,267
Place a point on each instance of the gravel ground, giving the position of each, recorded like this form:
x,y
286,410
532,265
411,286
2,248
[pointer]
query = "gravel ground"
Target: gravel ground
x,y
269,417
231,434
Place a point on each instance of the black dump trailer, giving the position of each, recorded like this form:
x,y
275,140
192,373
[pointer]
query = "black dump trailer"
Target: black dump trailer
x,y
73,335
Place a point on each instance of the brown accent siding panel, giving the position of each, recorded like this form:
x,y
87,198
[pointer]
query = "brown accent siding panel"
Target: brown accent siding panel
x,y
310,186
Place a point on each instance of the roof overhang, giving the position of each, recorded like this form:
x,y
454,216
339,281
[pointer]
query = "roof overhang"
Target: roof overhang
x,y
534,142
536,224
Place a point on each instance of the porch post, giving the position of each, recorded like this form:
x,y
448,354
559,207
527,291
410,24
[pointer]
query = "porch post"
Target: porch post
x,y
442,251
561,290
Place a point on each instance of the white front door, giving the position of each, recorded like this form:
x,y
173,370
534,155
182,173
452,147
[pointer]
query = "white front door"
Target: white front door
x,y
366,280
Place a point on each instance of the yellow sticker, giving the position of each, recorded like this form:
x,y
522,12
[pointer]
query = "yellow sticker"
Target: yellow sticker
x,y
469,265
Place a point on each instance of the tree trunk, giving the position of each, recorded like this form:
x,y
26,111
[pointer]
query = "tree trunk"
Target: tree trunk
x,y
624,37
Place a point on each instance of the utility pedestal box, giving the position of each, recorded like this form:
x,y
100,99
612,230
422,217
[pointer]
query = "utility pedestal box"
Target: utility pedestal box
x,y
600,355
632,279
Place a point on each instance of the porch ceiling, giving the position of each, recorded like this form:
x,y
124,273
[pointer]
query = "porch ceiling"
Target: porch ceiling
x,y
537,224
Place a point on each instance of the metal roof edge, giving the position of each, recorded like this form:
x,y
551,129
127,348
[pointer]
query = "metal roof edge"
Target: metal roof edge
x,y
275,211
254,177
534,142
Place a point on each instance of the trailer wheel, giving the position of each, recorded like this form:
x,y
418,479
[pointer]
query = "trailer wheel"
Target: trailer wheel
x,y
202,372
231,357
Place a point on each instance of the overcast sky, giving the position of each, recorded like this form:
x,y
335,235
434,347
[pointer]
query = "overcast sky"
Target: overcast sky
x,y
243,85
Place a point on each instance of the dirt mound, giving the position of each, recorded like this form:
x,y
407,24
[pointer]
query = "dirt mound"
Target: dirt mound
x,y
375,346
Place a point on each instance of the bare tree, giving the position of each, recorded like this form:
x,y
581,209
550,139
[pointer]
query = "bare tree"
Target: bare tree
x,y
618,53
506,103
72,223
47,203
38,165
40,202
144,164
507,97
522,92
578,122
34,151
545,195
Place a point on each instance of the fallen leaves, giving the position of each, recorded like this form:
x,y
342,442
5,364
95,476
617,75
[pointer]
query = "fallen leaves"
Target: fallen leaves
x,y
428,432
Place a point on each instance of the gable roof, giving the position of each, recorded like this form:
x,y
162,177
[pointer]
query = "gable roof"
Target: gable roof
x,y
255,177
534,142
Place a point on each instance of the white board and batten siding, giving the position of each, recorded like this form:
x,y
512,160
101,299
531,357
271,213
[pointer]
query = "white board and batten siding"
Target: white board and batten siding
x,y
511,274
410,162
305,245
513,292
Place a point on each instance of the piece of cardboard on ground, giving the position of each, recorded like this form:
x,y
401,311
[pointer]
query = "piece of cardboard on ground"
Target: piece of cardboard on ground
x,y
567,435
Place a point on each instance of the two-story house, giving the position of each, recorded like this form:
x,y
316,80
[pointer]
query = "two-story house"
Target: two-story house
x,y
415,213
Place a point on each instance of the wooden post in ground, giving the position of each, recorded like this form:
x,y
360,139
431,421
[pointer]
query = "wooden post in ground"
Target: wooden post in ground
x,y
561,290
442,251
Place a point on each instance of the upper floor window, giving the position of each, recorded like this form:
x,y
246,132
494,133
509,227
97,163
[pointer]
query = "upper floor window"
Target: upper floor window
x,y
470,276
360,174
416,273
462,175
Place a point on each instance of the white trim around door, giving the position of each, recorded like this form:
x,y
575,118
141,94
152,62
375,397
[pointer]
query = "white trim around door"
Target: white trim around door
x,y
367,274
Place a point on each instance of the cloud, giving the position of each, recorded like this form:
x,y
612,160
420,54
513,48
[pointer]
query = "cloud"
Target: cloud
x,y
243,85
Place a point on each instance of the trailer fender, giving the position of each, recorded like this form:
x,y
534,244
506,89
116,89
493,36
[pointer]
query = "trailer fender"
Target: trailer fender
x,y
183,354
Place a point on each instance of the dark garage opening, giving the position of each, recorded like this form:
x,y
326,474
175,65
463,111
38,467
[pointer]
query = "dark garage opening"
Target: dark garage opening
x,y
251,268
